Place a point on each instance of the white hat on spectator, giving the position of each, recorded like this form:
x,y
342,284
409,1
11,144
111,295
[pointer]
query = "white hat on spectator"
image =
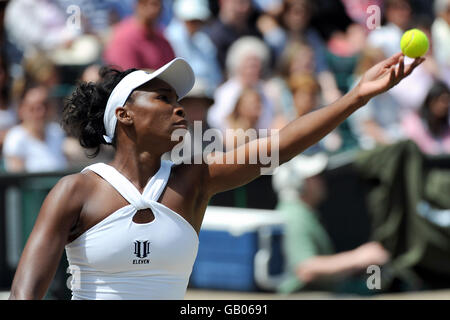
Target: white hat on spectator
x,y
288,179
191,10
201,89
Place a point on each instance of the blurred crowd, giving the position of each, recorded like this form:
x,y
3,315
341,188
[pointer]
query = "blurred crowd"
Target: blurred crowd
x,y
258,64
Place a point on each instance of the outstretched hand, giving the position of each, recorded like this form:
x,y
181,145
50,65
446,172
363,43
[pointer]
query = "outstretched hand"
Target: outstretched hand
x,y
384,75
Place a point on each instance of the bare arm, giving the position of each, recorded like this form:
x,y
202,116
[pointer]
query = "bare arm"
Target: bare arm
x,y
43,251
308,129
342,264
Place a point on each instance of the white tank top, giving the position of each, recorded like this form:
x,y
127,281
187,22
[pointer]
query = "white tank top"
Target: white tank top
x,y
120,259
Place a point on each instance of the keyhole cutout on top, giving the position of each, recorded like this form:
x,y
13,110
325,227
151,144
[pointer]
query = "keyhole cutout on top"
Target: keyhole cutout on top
x,y
143,216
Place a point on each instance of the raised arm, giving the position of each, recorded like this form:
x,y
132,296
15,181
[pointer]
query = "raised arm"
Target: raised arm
x,y
307,130
43,251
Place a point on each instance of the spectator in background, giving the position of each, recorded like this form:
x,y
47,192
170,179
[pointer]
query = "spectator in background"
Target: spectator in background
x,y
297,58
440,32
245,115
35,144
311,261
233,22
305,95
305,90
246,112
429,127
39,70
136,42
190,42
247,62
291,26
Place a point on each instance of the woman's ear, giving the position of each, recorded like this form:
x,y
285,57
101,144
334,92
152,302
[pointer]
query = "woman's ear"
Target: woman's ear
x,y
123,116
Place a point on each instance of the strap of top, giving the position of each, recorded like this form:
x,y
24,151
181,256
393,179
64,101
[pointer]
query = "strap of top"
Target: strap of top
x,y
155,186
152,190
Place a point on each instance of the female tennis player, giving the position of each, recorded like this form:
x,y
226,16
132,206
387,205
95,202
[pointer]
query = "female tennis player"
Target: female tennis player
x,y
130,228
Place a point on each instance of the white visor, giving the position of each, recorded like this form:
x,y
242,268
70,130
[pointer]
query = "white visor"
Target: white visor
x,y
177,73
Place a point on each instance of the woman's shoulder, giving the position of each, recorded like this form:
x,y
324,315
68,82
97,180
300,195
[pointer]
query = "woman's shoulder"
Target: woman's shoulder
x,y
76,182
67,199
82,184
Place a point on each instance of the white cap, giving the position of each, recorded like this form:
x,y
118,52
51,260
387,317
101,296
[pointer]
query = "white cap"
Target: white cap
x,y
177,73
191,10
201,89
288,179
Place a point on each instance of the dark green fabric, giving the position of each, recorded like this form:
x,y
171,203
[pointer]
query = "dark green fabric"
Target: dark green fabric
x,y
400,178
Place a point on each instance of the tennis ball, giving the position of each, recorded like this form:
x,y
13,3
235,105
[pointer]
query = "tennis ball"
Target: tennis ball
x,y
414,43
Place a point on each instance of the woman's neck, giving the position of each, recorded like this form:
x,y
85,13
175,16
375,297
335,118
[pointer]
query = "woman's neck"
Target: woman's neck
x,y
136,166
37,131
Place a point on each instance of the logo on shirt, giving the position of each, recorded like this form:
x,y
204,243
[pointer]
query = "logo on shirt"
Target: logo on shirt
x,y
141,250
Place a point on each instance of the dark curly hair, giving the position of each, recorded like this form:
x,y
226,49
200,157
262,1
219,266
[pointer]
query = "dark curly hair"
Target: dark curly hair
x,y
83,111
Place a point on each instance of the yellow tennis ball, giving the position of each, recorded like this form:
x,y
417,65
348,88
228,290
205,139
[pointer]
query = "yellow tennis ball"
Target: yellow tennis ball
x,y
414,43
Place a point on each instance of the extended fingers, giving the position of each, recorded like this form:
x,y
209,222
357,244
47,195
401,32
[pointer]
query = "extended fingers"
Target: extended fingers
x,y
401,72
401,68
413,65
393,60
392,77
